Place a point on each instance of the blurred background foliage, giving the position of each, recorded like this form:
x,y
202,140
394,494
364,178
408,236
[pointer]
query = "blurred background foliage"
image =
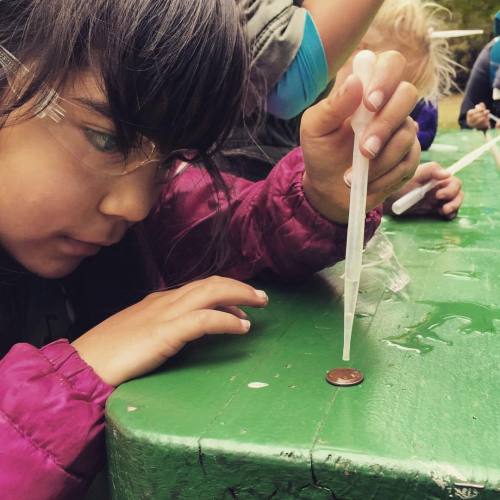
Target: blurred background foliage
x,y
469,14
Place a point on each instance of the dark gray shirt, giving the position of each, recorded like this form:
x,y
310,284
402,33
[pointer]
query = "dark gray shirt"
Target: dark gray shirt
x,y
479,88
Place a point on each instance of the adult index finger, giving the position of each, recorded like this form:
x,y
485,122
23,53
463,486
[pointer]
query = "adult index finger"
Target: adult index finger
x,y
387,75
389,119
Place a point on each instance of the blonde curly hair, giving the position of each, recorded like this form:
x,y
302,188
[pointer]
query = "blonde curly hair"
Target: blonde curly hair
x,y
406,26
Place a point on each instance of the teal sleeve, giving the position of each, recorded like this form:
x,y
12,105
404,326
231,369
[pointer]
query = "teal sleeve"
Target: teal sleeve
x,y
305,78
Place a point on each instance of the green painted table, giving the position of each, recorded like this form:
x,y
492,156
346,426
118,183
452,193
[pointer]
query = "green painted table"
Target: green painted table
x,y
424,424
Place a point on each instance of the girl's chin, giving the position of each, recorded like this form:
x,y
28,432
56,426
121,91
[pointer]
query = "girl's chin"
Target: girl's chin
x,y
53,268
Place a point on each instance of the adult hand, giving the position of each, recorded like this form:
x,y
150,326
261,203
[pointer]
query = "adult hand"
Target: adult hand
x,y
142,337
390,140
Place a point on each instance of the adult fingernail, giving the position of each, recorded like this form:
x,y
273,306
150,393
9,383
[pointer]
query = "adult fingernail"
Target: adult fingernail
x,y
343,88
376,98
261,294
348,178
245,324
373,145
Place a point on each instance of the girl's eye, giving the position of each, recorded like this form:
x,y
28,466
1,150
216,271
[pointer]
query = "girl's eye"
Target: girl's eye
x,y
103,142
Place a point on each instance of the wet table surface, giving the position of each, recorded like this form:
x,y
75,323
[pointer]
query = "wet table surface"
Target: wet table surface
x,y
252,417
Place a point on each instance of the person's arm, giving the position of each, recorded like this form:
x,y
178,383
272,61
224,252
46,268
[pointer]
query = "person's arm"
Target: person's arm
x,y
273,228
284,49
51,422
293,223
341,25
274,31
478,89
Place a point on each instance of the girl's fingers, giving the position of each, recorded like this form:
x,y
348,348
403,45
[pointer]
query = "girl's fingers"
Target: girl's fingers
x,y
398,147
215,292
450,190
329,114
450,210
387,75
431,171
389,119
169,340
236,311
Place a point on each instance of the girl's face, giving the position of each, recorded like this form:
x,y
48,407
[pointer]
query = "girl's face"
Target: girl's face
x,y
56,206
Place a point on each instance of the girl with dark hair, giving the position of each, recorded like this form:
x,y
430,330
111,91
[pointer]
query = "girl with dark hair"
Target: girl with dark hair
x,y
103,104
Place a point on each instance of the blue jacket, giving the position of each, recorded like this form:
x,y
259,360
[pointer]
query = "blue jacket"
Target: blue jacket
x,y
426,115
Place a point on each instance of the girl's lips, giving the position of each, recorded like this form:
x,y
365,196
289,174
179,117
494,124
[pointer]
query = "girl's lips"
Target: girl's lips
x,y
77,248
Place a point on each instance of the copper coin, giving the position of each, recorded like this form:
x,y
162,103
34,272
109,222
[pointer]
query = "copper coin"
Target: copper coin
x,y
344,377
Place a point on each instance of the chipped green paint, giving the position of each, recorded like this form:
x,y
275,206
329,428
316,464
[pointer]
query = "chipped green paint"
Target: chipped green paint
x,y
423,425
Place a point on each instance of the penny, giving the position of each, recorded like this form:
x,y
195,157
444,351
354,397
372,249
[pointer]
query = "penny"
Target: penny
x,y
344,377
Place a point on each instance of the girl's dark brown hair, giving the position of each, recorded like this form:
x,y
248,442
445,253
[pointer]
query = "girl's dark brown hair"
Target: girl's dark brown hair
x,y
174,71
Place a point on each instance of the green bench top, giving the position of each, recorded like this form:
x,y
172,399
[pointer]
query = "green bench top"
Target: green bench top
x,y
424,423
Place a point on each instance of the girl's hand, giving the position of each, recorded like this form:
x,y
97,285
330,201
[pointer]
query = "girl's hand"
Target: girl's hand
x,y
390,140
478,117
444,200
142,337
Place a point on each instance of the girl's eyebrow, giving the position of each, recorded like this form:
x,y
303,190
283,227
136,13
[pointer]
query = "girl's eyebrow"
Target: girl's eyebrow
x,y
100,107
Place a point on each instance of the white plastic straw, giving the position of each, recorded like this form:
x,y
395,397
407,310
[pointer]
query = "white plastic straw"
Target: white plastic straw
x,y
415,195
491,116
455,33
363,67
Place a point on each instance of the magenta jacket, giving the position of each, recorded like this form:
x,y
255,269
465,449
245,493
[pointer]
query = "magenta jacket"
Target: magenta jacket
x,y
52,402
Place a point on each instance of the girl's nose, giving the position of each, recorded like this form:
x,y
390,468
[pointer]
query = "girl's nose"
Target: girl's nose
x,y
131,197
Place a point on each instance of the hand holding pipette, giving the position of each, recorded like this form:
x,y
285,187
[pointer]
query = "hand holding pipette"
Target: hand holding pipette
x,y
444,201
417,194
327,140
478,117
389,141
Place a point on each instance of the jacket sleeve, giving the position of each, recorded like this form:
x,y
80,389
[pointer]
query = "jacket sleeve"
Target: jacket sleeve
x,y
426,115
274,30
478,87
271,230
51,422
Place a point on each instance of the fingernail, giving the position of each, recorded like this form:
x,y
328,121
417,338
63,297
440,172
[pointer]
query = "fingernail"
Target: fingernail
x,y
376,98
348,178
262,294
373,145
245,324
343,88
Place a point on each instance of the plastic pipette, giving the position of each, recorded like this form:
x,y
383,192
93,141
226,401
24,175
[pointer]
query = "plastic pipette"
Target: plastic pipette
x,y
491,116
415,195
455,33
363,66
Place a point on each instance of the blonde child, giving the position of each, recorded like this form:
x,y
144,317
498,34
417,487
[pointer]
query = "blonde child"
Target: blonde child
x,y
407,26
296,69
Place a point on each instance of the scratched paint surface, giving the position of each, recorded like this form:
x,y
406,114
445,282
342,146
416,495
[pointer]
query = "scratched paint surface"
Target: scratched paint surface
x,y
424,423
